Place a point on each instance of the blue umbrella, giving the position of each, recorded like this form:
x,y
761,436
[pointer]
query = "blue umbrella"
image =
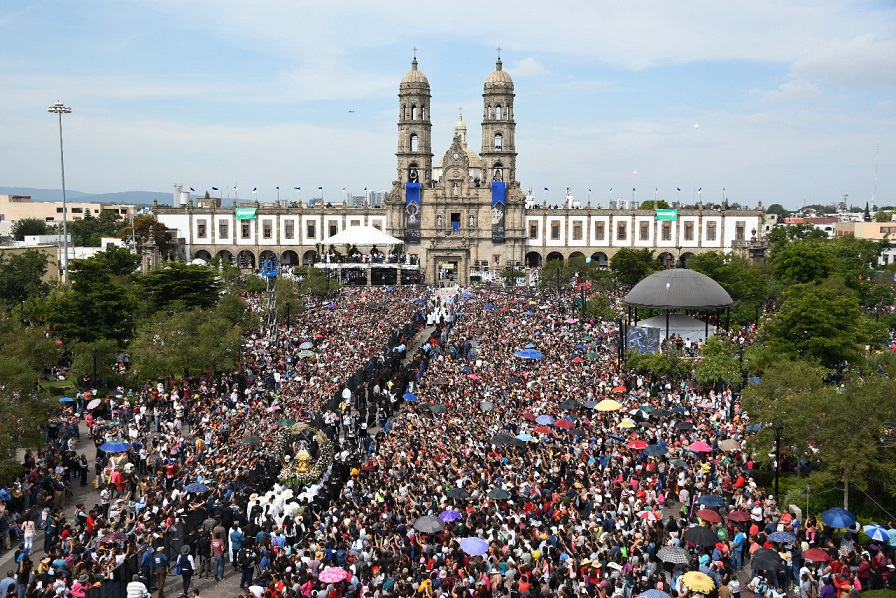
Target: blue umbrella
x,y
473,546
489,306
466,295
115,446
410,397
785,537
530,346
525,437
581,347
616,437
708,500
652,593
545,420
196,488
655,450
837,517
449,515
877,532
529,354
591,404
528,313
66,400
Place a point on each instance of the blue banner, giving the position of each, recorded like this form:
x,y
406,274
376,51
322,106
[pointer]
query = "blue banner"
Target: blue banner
x,y
412,209
499,207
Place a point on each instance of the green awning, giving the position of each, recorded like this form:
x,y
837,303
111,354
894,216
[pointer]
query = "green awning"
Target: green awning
x,y
245,213
666,214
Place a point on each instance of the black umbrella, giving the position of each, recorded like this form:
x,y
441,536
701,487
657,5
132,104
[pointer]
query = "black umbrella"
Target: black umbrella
x,y
499,494
429,524
711,501
577,432
678,463
655,450
502,439
684,425
458,494
251,440
701,536
569,404
766,559
519,443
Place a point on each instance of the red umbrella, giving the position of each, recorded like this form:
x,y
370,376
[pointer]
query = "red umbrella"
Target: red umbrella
x,y
740,516
700,447
529,416
577,360
816,555
638,445
709,515
619,389
651,515
563,423
543,429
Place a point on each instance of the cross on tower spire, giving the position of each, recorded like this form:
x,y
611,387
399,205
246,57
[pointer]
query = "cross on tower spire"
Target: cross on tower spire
x,y
499,52
414,49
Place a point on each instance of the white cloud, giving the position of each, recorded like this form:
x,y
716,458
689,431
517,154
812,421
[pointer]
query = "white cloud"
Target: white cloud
x,y
863,60
792,91
528,67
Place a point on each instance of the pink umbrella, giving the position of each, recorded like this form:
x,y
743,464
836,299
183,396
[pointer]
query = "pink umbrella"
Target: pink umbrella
x,y
273,408
473,377
700,447
333,575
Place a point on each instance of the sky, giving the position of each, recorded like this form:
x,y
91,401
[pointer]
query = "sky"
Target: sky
x,y
776,101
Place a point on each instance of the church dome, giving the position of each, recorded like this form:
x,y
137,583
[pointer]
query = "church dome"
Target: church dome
x,y
415,76
499,76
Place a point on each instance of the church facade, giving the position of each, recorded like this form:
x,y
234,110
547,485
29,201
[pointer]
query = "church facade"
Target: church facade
x,y
459,213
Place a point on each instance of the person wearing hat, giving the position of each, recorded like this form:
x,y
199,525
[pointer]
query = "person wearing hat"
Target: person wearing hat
x,y
187,565
79,588
136,588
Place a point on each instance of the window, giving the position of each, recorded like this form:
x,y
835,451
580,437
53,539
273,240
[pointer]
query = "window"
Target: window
x,y
621,231
644,231
223,232
200,229
354,223
533,230
289,229
710,231
498,112
77,210
499,141
576,231
688,231
413,143
740,230
311,230
455,221
266,229
334,228
555,230
599,231
58,210
413,112
244,232
667,231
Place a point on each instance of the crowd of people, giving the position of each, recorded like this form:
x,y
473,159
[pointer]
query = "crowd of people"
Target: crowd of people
x,y
478,443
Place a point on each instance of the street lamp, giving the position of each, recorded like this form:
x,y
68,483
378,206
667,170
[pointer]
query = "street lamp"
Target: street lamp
x,y
777,428
93,350
60,109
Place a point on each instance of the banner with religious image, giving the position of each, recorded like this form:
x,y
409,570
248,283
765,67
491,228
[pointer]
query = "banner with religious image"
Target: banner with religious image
x,y
499,208
412,210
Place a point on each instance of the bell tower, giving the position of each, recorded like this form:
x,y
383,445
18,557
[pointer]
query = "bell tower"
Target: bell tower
x,y
498,127
414,129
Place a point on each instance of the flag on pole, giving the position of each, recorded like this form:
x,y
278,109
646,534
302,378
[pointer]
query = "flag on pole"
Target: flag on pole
x,y
194,190
254,189
700,190
297,188
215,189
679,188
589,190
546,189
320,188
278,187
611,189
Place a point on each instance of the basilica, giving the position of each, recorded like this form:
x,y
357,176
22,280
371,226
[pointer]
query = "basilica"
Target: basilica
x,y
460,214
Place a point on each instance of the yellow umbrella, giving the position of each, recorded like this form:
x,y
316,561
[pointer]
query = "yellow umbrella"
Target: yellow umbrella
x,y
627,423
608,405
697,581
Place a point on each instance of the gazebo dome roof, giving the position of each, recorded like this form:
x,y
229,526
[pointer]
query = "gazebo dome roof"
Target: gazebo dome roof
x,y
678,288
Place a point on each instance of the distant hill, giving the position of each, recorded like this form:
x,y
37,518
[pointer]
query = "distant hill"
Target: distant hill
x,y
143,198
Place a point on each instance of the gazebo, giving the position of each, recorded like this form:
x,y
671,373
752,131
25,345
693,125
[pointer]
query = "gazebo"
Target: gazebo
x,y
674,290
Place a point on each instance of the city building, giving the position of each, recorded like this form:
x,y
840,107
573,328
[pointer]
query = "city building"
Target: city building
x,y
461,214
20,207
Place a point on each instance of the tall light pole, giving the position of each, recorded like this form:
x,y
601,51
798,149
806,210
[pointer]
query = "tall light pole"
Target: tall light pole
x,y
60,109
778,429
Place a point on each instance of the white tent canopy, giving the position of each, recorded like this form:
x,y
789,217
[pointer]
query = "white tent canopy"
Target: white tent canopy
x,y
362,235
680,325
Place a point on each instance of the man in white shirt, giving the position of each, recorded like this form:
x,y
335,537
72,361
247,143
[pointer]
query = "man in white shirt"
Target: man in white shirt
x,y
136,588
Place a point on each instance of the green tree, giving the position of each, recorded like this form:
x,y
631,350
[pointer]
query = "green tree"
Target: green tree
x,y
650,204
89,230
146,225
29,226
883,216
183,343
669,362
107,351
818,324
22,276
191,285
803,261
778,209
26,352
630,266
289,298
719,361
